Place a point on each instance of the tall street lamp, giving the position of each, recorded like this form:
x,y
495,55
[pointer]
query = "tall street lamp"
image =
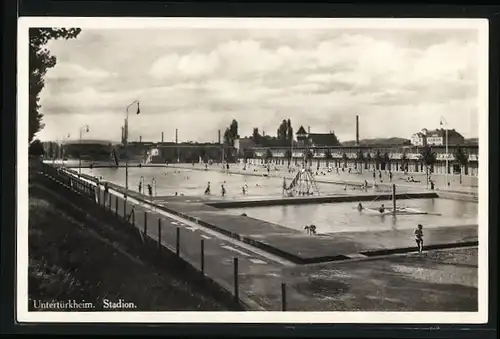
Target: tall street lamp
x,y
125,139
443,121
83,129
61,148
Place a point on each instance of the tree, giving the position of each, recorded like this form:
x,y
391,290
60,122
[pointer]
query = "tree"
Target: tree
x,y
233,130
269,155
248,153
289,131
378,160
50,151
462,159
360,157
428,158
36,148
288,156
368,160
282,132
328,157
386,160
256,136
40,60
344,157
404,160
309,156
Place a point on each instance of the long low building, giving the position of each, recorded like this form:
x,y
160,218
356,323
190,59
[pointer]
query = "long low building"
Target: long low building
x,y
396,158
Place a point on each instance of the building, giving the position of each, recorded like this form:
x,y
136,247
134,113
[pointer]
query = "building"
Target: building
x,y
243,144
316,139
88,149
419,138
397,158
438,137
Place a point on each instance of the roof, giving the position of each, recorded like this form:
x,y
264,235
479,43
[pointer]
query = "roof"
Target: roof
x,y
442,133
323,139
301,131
87,141
419,134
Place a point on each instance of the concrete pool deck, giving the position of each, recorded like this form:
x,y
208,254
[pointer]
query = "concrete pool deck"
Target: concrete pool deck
x,y
298,247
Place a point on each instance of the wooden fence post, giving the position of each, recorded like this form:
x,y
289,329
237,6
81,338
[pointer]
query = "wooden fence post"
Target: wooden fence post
x,y
283,296
236,287
202,259
145,223
159,234
178,241
116,206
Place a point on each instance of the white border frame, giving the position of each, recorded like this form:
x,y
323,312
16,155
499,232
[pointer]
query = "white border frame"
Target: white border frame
x,y
22,314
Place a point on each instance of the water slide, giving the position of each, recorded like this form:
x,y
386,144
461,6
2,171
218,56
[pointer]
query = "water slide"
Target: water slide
x,y
294,182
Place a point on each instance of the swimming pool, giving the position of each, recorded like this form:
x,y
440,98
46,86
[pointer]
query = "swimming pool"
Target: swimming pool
x,y
170,180
344,217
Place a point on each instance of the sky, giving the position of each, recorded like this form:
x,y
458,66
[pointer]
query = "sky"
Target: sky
x,y
198,80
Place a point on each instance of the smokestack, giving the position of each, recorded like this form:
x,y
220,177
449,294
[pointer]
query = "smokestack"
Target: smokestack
x,y
357,130
308,129
123,135
176,140
140,138
219,136
162,137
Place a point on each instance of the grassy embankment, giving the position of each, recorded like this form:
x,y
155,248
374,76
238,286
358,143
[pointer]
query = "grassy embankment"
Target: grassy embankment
x,y
69,259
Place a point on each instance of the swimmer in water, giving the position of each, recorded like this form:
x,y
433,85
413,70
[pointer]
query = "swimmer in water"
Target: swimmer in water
x,y
381,209
207,190
360,207
223,190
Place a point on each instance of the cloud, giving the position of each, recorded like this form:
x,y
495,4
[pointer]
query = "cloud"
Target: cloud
x,y
260,77
74,72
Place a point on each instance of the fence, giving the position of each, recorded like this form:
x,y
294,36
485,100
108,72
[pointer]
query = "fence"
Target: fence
x,y
156,233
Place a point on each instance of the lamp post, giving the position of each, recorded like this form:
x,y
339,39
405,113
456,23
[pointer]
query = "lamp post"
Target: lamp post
x,y
446,151
61,148
83,129
125,141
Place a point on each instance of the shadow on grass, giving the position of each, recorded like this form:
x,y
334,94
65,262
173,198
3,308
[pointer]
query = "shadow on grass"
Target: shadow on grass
x,y
71,260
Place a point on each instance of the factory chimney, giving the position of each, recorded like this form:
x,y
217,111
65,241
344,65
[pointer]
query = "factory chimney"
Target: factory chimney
x,y
176,134
219,136
357,130
308,129
162,137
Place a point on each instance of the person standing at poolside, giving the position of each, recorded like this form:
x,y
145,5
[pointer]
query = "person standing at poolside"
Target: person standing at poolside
x,y
419,237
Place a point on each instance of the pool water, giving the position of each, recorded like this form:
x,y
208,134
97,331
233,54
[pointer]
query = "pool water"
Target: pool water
x,y
344,217
193,182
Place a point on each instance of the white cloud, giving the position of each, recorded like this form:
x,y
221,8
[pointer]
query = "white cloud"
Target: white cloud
x,y
262,78
64,70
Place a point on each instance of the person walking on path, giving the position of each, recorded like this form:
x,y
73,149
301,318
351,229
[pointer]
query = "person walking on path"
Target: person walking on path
x,y
419,237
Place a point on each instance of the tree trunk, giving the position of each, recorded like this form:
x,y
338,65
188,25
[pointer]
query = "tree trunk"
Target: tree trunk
x,y
427,175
